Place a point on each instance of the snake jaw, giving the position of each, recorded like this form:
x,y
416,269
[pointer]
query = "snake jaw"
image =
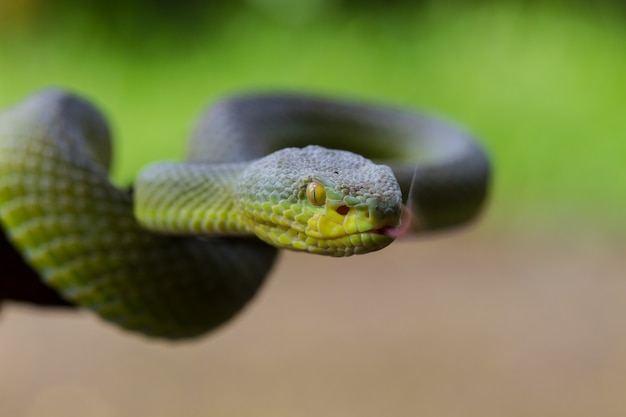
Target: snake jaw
x,y
346,230
355,232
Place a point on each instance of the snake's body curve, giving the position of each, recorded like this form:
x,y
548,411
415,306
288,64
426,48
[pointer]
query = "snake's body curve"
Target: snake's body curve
x,y
79,231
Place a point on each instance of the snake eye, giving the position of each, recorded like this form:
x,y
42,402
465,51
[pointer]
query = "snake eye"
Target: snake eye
x,y
316,194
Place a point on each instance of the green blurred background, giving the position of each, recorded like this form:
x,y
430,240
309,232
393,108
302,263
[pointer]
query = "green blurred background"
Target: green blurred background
x,y
522,315
543,84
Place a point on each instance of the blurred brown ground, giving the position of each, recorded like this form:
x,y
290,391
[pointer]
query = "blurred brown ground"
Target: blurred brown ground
x,y
475,324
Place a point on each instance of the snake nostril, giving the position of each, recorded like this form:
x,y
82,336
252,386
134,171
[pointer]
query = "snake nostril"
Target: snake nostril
x,y
343,210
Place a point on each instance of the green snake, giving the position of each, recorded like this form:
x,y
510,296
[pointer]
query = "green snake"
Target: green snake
x,y
194,241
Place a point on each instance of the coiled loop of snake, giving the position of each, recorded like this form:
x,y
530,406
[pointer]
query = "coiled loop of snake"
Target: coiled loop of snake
x,y
80,231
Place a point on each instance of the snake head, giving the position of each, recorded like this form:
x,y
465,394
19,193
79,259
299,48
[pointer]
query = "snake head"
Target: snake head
x,y
319,200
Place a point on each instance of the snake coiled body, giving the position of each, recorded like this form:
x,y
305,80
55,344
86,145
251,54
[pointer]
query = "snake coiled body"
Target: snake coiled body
x,y
136,260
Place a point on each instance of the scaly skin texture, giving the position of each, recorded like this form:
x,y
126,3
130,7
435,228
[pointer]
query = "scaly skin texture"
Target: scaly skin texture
x,y
60,210
268,198
79,232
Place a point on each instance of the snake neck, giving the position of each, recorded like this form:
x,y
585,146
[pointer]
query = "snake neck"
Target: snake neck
x,y
190,199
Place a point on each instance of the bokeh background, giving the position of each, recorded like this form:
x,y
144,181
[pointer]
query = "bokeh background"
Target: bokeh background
x,y
521,314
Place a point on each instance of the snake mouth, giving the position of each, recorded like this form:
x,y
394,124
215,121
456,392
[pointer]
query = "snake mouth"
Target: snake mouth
x,y
389,231
406,222
338,234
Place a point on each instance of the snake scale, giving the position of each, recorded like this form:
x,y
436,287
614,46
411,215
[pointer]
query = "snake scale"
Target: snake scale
x,y
195,240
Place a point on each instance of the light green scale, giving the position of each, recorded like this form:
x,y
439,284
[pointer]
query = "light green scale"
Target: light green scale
x,y
136,260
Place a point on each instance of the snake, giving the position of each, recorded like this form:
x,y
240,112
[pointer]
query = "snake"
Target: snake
x,y
193,241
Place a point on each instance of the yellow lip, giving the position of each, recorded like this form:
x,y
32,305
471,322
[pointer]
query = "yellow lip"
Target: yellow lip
x,y
331,225
358,243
